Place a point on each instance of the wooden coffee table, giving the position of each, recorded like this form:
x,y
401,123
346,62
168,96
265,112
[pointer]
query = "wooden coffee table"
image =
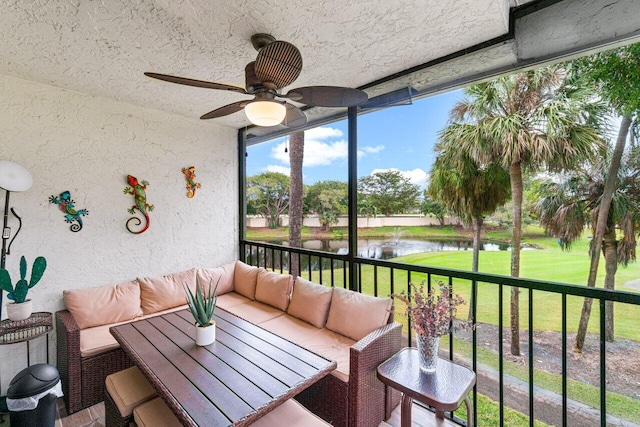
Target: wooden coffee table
x,y
445,389
245,374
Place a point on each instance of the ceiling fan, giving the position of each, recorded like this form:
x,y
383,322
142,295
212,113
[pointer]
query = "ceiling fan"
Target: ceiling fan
x,y
278,65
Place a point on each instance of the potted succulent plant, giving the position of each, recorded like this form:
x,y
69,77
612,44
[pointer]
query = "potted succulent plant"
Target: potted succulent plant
x,y
21,307
202,307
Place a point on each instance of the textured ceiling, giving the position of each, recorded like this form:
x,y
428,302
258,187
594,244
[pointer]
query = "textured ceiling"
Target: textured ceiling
x,y
102,47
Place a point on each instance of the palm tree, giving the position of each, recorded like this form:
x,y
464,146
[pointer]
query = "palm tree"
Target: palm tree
x,y
576,201
616,73
296,156
466,189
527,121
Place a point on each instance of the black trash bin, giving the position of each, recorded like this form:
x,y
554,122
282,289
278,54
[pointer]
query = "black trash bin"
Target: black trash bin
x,y
37,382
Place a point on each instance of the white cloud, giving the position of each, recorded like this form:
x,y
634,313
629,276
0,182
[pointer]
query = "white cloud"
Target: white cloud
x,y
416,176
373,150
322,133
316,153
321,148
278,168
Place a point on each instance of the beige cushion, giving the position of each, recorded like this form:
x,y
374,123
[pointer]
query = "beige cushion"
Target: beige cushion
x,y
230,300
310,302
161,312
333,346
293,329
155,413
274,288
161,293
256,312
97,340
356,315
290,414
104,305
244,279
129,388
211,275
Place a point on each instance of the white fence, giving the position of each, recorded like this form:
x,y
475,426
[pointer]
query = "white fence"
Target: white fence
x,y
363,222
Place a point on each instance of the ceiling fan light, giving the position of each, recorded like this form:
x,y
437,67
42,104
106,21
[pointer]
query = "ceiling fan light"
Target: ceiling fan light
x,y
265,113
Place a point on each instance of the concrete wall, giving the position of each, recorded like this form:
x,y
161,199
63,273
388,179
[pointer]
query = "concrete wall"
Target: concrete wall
x,y
380,221
87,145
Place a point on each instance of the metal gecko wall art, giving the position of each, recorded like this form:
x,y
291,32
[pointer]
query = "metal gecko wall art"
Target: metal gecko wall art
x,y
67,206
190,176
137,189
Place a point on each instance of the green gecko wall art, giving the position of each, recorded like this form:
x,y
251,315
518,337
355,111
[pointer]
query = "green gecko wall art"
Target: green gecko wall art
x,y
137,189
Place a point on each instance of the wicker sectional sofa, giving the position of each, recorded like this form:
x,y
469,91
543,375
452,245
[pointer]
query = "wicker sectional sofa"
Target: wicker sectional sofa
x,y
355,330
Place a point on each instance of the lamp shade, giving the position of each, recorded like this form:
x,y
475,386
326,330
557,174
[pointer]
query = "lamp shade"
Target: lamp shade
x,y
265,113
14,177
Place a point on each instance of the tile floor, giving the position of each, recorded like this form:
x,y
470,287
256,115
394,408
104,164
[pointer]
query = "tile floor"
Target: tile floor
x,y
90,417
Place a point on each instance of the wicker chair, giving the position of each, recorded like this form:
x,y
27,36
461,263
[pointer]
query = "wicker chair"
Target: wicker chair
x,y
83,378
362,402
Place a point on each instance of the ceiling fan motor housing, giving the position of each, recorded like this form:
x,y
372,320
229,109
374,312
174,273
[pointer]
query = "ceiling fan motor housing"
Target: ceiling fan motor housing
x,y
252,82
260,40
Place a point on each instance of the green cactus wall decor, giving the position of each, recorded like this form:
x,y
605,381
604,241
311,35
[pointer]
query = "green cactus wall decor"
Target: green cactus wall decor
x,y
19,292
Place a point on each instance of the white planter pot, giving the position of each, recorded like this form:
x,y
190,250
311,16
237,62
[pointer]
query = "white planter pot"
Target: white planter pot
x,y
206,336
19,311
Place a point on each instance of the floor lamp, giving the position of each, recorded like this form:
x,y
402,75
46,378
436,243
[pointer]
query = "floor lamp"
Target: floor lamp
x,y
13,178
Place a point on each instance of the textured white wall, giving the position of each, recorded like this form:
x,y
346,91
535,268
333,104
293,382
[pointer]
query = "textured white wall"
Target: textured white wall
x,y
87,145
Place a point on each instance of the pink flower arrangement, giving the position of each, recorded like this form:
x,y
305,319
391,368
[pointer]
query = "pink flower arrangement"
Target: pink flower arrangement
x,y
431,314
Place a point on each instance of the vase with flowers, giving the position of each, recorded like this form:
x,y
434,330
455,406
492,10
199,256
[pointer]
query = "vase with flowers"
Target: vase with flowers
x,y
432,315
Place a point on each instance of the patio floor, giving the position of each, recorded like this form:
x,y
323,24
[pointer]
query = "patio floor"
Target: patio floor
x,y
94,417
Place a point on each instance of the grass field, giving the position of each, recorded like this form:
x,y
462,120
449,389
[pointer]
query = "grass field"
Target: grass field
x,y
550,264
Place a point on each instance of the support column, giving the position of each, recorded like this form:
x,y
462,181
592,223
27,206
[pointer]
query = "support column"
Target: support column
x,y
352,117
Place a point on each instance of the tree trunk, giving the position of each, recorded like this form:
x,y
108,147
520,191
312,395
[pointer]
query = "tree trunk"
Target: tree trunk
x,y
611,266
477,235
601,225
296,155
515,174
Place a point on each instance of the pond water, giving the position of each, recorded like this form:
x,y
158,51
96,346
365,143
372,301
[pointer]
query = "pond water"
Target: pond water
x,y
392,248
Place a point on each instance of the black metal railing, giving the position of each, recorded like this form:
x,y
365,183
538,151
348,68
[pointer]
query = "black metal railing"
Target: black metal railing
x,y
383,278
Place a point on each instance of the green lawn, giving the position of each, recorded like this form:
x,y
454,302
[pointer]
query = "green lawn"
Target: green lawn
x,y
489,414
617,404
550,264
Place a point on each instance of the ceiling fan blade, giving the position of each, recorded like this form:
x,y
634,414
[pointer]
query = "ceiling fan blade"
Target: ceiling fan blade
x,y
327,96
226,110
196,83
295,117
279,62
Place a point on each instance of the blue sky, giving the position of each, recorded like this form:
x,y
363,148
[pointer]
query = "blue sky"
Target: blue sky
x,y
399,138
